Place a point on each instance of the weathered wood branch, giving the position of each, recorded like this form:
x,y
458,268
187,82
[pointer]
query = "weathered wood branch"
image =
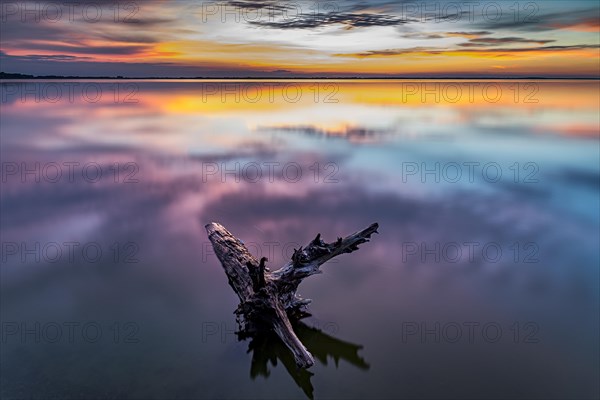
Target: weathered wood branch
x,y
270,297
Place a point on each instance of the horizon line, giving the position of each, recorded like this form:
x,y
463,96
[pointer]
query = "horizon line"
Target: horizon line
x,y
17,76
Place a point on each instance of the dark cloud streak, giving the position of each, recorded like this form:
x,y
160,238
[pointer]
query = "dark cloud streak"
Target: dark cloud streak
x,y
440,51
502,41
350,20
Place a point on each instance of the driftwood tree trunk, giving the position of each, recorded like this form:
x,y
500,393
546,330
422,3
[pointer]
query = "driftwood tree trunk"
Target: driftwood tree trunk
x,y
269,298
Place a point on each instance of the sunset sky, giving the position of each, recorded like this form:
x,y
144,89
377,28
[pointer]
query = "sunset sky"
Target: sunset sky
x,y
304,38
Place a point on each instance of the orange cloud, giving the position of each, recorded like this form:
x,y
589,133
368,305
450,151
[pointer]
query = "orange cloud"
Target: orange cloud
x,y
589,25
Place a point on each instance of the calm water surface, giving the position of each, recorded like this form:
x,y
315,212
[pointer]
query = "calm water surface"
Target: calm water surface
x,y
483,282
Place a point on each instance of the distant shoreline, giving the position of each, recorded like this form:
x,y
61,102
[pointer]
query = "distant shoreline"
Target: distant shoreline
x,y
17,76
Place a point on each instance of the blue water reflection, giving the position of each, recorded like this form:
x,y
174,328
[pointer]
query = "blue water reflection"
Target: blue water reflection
x,y
483,282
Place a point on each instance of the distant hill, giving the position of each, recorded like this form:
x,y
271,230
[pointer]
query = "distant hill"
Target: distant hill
x,y
9,75
6,75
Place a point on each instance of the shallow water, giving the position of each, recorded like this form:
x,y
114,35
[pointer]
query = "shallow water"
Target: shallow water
x,y
483,281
